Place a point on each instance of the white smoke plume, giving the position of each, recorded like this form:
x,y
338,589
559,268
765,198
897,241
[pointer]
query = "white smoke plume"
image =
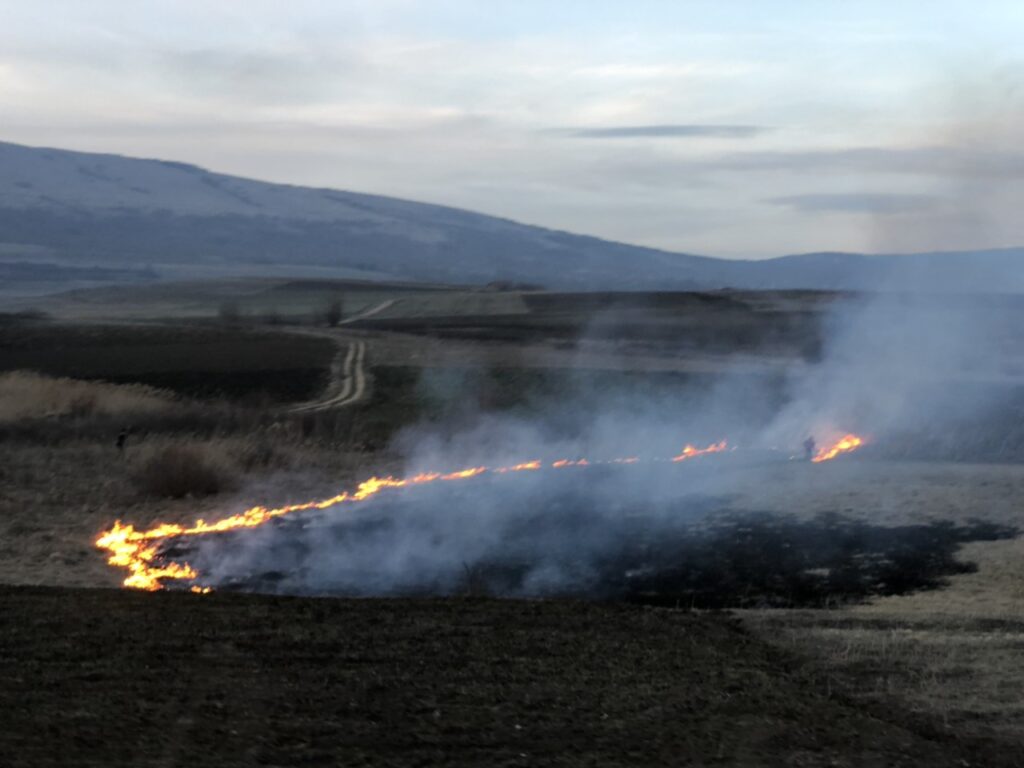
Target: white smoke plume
x,y
901,369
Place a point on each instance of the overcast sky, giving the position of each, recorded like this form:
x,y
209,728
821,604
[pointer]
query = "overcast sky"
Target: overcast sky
x,y
726,127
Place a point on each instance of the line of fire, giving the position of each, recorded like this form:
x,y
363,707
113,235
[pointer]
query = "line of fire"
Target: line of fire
x,y
139,552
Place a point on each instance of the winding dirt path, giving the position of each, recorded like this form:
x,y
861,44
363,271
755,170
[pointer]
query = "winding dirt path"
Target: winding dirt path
x,y
348,381
348,370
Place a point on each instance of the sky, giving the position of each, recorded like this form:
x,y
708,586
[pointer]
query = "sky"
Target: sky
x,y
734,128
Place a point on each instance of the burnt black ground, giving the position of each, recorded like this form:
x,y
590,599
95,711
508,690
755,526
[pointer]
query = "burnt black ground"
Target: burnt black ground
x,y
770,561
677,551
113,678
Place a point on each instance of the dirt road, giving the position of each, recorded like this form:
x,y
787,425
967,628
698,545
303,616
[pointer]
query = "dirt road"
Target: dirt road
x,y
348,381
374,310
348,371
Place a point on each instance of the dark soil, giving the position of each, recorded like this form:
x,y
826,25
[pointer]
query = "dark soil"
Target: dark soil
x,y
193,360
760,561
111,678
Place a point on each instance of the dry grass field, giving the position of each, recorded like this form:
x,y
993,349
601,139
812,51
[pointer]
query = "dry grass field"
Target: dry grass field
x,y
29,395
952,655
104,677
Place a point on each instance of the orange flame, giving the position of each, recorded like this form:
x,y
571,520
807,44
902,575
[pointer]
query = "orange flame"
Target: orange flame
x,y
570,463
845,444
526,465
137,550
692,451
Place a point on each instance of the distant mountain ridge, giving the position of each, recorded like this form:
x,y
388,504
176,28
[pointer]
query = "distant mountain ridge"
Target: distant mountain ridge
x,y
79,210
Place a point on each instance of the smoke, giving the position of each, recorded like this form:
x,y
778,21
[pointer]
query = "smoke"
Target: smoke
x,y
532,534
901,369
903,364
970,164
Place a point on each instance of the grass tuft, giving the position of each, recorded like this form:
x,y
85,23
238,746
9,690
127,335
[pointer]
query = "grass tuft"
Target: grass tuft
x,y
178,470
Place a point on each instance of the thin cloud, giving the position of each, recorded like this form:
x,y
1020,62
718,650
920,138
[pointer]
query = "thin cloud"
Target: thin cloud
x,y
953,162
671,131
879,202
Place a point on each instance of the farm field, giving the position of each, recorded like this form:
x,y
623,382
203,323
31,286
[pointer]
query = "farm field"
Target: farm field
x,y
513,384
194,360
923,674
121,679
259,300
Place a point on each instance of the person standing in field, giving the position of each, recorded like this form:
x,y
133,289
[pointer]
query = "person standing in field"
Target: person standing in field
x,y
809,446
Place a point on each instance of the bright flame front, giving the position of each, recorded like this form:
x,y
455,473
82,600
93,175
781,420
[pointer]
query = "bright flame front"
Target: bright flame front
x,y
137,550
845,444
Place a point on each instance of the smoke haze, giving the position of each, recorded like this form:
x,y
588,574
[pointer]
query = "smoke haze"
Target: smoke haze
x,y
915,375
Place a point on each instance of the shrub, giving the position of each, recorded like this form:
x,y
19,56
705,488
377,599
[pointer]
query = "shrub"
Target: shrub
x,y
180,470
229,313
335,312
273,317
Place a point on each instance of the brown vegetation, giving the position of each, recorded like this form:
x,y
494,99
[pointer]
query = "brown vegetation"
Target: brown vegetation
x,y
178,470
951,655
25,395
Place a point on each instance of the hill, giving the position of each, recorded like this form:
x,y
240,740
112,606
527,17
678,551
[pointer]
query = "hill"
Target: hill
x,y
73,219
73,208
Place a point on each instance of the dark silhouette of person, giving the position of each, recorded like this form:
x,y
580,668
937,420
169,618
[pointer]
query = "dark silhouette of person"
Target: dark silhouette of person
x,y
122,439
809,446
